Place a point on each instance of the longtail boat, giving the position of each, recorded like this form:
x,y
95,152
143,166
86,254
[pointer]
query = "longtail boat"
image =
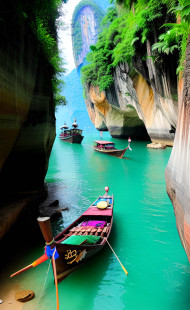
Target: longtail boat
x,y
108,148
85,237
72,135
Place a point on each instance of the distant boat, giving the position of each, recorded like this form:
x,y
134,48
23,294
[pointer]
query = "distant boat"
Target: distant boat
x,y
108,148
72,135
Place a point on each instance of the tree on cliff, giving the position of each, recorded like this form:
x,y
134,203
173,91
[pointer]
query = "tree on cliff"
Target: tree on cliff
x,y
176,36
132,28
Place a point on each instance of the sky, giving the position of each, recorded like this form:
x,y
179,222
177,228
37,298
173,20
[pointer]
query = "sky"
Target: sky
x,y
64,35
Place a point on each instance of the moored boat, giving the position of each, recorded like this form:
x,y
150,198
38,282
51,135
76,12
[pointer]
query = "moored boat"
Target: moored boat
x,y
85,237
71,135
108,148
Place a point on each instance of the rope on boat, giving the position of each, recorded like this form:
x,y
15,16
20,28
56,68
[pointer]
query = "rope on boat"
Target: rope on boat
x,y
126,272
49,243
43,285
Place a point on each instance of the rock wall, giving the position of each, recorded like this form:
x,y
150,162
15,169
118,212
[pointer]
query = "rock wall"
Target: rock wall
x,y
177,171
154,113
27,127
149,85
85,28
27,121
161,94
120,123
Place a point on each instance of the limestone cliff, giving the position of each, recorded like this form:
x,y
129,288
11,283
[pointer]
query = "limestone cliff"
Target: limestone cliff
x,y
86,21
27,126
27,119
124,64
177,171
154,109
107,116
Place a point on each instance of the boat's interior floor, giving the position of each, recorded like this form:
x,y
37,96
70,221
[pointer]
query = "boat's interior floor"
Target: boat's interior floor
x,y
94,225
88,227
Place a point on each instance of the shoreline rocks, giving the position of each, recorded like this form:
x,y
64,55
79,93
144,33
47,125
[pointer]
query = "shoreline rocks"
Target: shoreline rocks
x,y
156,146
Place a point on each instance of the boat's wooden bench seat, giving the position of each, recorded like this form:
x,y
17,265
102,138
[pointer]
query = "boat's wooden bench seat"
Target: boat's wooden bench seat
x,y
96,211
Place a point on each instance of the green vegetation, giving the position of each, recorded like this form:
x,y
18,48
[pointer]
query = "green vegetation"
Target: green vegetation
x,y
44,27
130,24
177,35
37,17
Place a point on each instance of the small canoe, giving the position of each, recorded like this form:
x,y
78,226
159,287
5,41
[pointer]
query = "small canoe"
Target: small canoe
x,y
108,148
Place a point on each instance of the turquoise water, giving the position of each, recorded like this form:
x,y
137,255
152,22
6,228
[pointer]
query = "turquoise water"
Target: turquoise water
x,y
144,233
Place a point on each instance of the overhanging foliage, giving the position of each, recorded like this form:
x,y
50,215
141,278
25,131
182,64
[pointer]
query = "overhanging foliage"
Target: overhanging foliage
x,y
135,23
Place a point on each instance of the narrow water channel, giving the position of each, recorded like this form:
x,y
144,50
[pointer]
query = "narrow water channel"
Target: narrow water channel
x,y
144,234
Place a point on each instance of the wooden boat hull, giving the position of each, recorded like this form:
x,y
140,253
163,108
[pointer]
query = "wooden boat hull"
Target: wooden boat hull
x,y
81,240
116,153
67,253
72,256
71,139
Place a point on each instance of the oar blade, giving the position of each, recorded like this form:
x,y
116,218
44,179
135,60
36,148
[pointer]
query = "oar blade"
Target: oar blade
x,y
126,272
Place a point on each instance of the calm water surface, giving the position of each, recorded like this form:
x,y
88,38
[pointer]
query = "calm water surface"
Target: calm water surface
x,y
144,233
